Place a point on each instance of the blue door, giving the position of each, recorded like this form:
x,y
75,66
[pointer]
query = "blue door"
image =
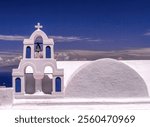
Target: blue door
x,y
58,84
28,52
18,84
48,52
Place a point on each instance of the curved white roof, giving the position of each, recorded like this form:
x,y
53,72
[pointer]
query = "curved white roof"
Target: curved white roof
x,y
106,78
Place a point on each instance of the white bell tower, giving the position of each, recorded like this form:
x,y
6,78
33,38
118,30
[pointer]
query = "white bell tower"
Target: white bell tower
x,y
37,75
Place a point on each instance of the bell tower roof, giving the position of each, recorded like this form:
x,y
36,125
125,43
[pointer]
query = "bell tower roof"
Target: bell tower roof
x,y
39,45
39,33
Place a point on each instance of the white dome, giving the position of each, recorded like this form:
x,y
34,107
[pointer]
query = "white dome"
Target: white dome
x,y
106,78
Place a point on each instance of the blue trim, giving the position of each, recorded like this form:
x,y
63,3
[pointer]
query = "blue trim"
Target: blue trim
x,y
48,52
58,84
18,85
28,52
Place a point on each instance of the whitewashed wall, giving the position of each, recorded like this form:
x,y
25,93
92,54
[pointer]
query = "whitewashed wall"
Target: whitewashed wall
x,y
6,96
142,67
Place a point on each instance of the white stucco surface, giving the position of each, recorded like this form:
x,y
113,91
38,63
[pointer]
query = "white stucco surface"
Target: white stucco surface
x,y
106,78
142,67
6,96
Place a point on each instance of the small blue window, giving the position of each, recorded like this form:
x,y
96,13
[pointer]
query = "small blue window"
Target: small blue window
x,y
58,84
18,85
48,52
28,52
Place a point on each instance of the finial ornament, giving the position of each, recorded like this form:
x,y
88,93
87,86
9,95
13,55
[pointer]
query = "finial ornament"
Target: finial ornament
x,y
38,26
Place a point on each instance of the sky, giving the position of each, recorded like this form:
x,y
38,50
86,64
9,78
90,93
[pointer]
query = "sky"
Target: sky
x,y
77,24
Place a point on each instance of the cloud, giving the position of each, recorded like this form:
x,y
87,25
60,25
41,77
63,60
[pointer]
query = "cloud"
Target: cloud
x,y
147,34
9,58
12,37
56,38
73,38
66,38
94,40
1,59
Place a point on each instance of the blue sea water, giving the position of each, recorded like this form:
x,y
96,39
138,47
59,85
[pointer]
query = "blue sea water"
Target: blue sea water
x,y
6,79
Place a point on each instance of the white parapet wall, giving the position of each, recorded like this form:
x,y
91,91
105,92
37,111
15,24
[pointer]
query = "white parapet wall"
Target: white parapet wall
x,y
6,96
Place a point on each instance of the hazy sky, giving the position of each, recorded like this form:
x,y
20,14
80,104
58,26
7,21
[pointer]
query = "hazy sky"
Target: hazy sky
x,y
77,24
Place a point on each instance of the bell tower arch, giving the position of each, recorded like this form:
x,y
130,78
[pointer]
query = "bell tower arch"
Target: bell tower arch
x,y
38,45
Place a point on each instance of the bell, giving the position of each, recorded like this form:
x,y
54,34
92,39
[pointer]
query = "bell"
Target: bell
x,y
38,48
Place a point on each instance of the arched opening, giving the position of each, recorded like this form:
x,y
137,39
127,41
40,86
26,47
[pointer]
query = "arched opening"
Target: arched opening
x,y
48,70
29,80
58,84
28,52
48,52
18,85
38,47
47,81
28,70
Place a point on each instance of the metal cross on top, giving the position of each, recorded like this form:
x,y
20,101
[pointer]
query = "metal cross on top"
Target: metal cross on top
x,y
38,26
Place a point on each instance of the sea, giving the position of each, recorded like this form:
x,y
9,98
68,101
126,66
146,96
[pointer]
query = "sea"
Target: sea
x,y
6,79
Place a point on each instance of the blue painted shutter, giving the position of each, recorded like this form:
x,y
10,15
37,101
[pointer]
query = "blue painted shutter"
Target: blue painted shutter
x,y
18,84
48,52
58,84
28,52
